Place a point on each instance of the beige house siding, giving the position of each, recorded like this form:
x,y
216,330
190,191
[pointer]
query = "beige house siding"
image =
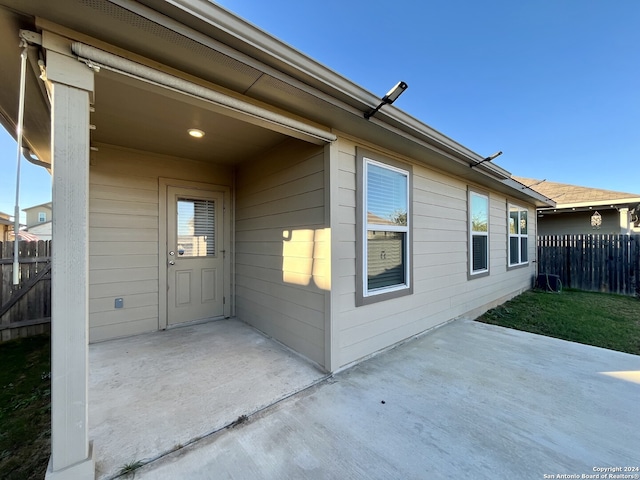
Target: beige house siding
x,y
281,252
579,223
441,289
123,235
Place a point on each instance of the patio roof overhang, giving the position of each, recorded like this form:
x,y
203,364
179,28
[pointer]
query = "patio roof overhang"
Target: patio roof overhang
x,y
185,38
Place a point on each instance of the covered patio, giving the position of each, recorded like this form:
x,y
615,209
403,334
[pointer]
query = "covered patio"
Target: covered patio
x,y
155,393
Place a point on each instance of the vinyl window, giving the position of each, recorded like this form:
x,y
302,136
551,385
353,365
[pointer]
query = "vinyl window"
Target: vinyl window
x,y
518,235
478,233
385,231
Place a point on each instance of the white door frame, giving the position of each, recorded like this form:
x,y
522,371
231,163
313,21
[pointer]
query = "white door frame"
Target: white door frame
x,y
163,183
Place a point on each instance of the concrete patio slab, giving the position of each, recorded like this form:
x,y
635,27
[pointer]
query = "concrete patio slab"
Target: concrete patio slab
x,y
153,393
468,400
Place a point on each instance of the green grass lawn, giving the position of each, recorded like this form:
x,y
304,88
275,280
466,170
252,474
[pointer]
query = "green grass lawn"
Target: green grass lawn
x,y
25,408
599,319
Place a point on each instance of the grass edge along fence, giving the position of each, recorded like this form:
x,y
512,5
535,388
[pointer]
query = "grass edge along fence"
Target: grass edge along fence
x,y
25,310
595,262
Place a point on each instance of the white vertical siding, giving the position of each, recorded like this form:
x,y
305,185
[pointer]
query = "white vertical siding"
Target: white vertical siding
x,y
123,236
281,252
442,290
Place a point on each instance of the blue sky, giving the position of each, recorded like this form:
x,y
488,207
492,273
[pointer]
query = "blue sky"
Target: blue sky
x,y
554,84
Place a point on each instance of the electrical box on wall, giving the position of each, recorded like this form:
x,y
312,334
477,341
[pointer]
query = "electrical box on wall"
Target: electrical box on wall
x,y
119,303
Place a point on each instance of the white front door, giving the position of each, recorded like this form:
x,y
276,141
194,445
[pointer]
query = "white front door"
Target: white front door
x,y
195,254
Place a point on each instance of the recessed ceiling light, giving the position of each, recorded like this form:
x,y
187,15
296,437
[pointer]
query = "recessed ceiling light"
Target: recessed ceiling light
x,y
194,132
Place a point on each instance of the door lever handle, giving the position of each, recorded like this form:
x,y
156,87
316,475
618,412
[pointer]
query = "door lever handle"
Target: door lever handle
x,y
171,262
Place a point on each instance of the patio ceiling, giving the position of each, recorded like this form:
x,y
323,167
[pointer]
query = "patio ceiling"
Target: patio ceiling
x,y
128,112
136,115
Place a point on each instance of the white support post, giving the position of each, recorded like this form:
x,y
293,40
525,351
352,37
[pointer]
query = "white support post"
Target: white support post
x,y
71,86
332,206
625,221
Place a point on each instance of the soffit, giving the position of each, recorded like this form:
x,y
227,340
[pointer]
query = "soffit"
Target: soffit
x,y
36,126
137,115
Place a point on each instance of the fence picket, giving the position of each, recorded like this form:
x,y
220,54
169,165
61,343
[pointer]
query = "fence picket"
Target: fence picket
x,y
28,308
606,263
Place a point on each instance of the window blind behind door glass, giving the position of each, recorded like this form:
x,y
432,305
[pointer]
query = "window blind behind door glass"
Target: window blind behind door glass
x,y
196,228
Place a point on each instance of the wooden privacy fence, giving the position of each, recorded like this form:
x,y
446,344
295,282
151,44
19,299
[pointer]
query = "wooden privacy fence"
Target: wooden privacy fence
x,y
26,309
602,263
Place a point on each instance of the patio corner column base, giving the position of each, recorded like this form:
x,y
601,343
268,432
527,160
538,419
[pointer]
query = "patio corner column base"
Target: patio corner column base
x,y
85,470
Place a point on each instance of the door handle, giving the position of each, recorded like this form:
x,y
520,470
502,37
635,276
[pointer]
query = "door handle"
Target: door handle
x,y
171,262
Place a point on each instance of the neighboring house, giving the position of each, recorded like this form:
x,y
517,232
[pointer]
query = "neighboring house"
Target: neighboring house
x,y
38,214
6,226
39,220
336,235
585,210
6,230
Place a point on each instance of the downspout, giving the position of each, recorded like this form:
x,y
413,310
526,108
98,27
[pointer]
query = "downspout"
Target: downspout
x,y
16,223
28,154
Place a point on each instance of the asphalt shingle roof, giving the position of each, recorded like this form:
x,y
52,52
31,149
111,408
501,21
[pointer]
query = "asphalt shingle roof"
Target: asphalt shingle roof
x,y
563,193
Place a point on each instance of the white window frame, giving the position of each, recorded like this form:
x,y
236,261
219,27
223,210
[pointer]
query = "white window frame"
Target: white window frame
x,y
472,233
364,295
42,217
517,235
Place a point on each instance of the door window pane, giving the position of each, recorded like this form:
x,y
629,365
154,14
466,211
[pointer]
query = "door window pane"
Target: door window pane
x,y
196,228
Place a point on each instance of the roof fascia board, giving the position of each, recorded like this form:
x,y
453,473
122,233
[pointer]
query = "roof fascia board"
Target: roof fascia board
x,y
397,121
244,31
45,204
249,33
599,203
540,200
207,41
252,35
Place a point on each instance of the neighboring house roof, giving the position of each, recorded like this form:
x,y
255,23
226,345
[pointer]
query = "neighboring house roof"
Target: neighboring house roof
x,y
43,228
566,195
5,221
26,236
46,205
